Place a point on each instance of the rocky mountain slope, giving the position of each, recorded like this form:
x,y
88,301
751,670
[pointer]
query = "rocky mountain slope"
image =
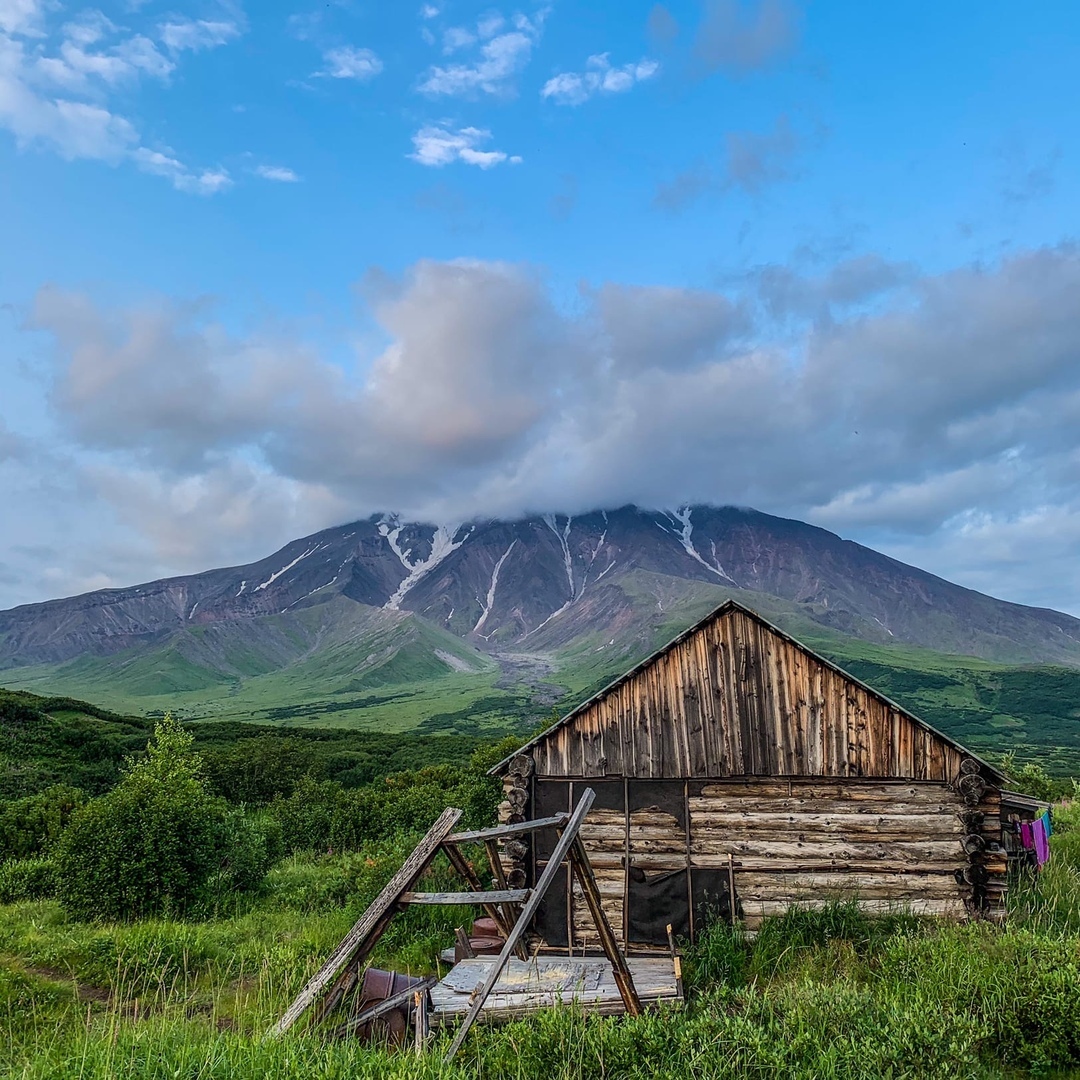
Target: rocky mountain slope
x,y
536,586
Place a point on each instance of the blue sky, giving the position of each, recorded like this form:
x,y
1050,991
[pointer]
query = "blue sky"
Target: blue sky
x,y
262,270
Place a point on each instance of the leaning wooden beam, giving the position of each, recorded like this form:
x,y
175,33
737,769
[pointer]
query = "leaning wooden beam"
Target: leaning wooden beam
x,y
499,831
359,941
526,916
579,860
337,992
383,1007
502,896
492,911
499,876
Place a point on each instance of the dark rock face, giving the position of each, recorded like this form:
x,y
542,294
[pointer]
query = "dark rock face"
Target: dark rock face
x,y
542,582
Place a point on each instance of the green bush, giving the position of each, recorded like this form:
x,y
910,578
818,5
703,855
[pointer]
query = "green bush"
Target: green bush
x,y
27,879
321,815
256,771
159,842
29,826
1030,778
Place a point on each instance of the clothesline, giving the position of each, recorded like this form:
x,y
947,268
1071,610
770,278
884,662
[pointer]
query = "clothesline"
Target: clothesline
x,y
1035,836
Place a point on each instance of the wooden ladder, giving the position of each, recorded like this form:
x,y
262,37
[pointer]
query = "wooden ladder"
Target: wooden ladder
x,y
570,847
512,909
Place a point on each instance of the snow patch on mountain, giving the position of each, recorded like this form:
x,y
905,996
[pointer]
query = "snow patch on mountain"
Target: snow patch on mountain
x,y
443,543
285,569
686,536
491,588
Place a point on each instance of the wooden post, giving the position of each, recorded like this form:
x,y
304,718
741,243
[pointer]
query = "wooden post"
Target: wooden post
x,y
360,940
495,862
464,944
676,961
527,912
731,888
420,1017
579,860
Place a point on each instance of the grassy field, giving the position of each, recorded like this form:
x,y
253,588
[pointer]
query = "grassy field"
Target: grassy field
x,y
45,741
831,993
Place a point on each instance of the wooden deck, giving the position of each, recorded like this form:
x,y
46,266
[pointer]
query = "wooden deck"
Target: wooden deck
x,y
528,985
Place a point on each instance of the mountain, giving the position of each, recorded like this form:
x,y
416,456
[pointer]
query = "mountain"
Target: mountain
x,y
538,583
405,625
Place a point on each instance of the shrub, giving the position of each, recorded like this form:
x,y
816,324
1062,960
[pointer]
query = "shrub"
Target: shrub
x,y
29,826
1030,778
27,879
158,843
255,771
321,815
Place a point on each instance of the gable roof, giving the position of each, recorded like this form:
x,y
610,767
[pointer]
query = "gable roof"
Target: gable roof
x,y
726,607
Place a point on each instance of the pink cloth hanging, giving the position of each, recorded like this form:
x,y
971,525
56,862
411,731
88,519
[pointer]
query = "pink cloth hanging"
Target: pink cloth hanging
x,y
1042,841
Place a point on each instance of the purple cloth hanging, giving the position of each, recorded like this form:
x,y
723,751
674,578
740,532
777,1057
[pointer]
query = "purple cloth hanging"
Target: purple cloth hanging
x,y
1042,842
1027,839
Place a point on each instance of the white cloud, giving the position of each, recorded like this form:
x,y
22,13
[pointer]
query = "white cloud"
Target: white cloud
x,y
940,423
74,129
75,69
504,54
599,77
438,145
21,16
348,62
278,173
205,182
180,34
59,98
457,37
429,11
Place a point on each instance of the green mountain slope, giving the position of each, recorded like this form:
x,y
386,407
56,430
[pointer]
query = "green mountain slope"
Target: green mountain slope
x,y
349,666
50,740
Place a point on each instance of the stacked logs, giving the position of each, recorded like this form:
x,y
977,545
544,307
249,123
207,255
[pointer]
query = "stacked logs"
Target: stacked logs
x,y
972,786
514,851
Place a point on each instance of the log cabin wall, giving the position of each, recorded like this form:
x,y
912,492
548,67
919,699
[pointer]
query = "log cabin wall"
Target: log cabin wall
x,y
736,757
669,859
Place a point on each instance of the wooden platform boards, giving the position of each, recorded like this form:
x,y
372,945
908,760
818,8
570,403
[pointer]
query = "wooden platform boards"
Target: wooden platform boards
x,y
527,985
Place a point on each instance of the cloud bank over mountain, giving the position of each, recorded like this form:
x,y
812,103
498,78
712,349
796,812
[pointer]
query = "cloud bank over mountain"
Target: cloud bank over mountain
x,y
921,412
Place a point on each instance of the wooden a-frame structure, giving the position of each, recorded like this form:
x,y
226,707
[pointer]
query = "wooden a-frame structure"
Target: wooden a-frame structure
x,y
512,909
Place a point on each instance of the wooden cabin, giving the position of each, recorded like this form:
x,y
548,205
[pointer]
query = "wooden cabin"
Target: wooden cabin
x,y
737,772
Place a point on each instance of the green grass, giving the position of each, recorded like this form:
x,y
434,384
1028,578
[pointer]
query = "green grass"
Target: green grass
x,y
832,993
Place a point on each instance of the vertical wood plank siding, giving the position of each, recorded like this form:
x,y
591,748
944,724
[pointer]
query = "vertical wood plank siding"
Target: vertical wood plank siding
x,y
735,699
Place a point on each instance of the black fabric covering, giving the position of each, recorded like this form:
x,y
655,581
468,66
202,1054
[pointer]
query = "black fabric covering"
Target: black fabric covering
x,y
550,797
655,901
609,793
712,897
657,897
665,795
550,921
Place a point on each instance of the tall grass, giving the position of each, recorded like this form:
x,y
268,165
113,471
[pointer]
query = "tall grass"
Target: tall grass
x,y
829,993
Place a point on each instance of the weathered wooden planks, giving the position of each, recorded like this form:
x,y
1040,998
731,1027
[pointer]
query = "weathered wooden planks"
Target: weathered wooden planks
x,y
736,698
547,981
